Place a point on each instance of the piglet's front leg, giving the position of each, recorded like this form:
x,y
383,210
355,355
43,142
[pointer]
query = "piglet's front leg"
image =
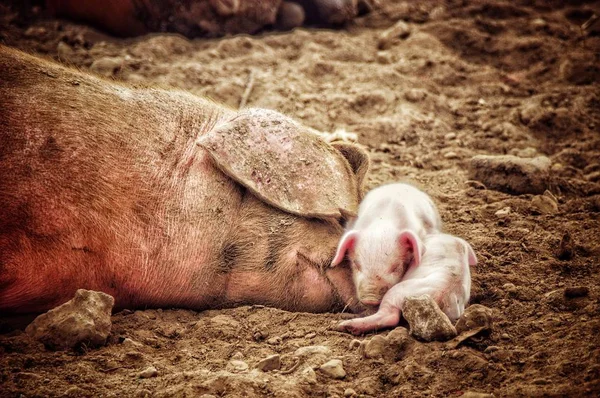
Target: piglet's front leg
x,y
390,309
386,317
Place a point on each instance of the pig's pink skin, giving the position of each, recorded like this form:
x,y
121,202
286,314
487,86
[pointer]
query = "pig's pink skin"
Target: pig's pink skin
x,y
105,189
443,274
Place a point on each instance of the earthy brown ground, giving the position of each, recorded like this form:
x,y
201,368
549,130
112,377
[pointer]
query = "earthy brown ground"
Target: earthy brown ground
x,y
473,77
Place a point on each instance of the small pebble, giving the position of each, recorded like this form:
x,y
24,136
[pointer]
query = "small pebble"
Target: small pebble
x,y
354,344
333,369
400,30
269,363
237,365
491,348
503,212
451,155
349,392
310,335
148,373
450,136
375,347
274,340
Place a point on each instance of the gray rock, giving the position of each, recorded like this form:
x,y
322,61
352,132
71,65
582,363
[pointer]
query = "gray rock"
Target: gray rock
x,y
269,363
85,319
376,347
148,373
312,350
426,320
475,316
511,174
235,365
333,369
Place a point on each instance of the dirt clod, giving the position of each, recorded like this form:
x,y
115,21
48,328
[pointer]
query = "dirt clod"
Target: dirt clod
x,y
511,174
427,322
333,369
84,320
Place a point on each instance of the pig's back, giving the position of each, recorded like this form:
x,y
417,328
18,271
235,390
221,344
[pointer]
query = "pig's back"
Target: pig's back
x,y
96,179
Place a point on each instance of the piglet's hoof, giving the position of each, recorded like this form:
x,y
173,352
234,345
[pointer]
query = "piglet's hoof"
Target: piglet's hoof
x,y
84,320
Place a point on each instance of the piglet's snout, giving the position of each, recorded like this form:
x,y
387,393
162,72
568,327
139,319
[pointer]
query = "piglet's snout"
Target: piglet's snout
x,y
372,295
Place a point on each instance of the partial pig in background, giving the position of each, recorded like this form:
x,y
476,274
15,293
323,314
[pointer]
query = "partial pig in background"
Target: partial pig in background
x,y
203,18
443,274
386,238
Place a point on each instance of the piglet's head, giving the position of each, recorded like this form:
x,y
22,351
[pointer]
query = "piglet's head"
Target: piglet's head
x,y
378,258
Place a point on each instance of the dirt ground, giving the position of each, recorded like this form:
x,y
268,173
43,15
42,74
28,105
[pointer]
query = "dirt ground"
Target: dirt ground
x,y
472,77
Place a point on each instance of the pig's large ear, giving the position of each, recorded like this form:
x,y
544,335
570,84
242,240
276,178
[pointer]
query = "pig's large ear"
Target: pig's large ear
x,y
358,159
347,242
284,164
411,242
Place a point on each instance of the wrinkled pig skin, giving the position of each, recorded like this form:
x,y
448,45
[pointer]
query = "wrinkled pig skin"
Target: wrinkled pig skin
x,y
104,187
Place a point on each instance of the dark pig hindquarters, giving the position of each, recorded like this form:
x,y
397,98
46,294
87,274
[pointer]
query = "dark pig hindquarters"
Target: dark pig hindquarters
x,y
128,191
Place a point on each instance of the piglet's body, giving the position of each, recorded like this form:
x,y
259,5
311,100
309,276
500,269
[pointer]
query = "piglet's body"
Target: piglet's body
x,y
386,238
443,274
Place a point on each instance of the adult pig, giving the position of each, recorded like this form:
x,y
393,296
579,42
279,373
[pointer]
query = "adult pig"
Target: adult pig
x,y
161,198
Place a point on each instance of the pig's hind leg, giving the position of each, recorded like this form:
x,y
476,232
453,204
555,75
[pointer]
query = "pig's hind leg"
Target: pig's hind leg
x,y
390,309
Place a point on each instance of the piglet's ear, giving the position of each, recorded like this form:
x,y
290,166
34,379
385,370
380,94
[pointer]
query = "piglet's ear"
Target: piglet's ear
x,y
347,242
410,242
471,254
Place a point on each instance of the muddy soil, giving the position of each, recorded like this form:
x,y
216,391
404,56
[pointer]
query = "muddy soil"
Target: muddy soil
x,y
472,77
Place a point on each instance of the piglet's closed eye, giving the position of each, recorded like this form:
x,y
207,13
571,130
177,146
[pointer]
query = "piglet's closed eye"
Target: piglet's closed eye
x,y
347,243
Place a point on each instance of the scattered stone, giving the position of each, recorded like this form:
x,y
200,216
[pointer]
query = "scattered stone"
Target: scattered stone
x,y
545,204
271,362
237,366
376,347
237,355
505,211
354,344
64,51
490,349
398,339
475,316
309,375
312,350
505,336
426,320
451,155
148,373
473,394
511,174
349,392
107,66
400,30
83,320
578,291
310,335
450,136
384,57
528,152
274,340
538,23
415,95
127,342
333,369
